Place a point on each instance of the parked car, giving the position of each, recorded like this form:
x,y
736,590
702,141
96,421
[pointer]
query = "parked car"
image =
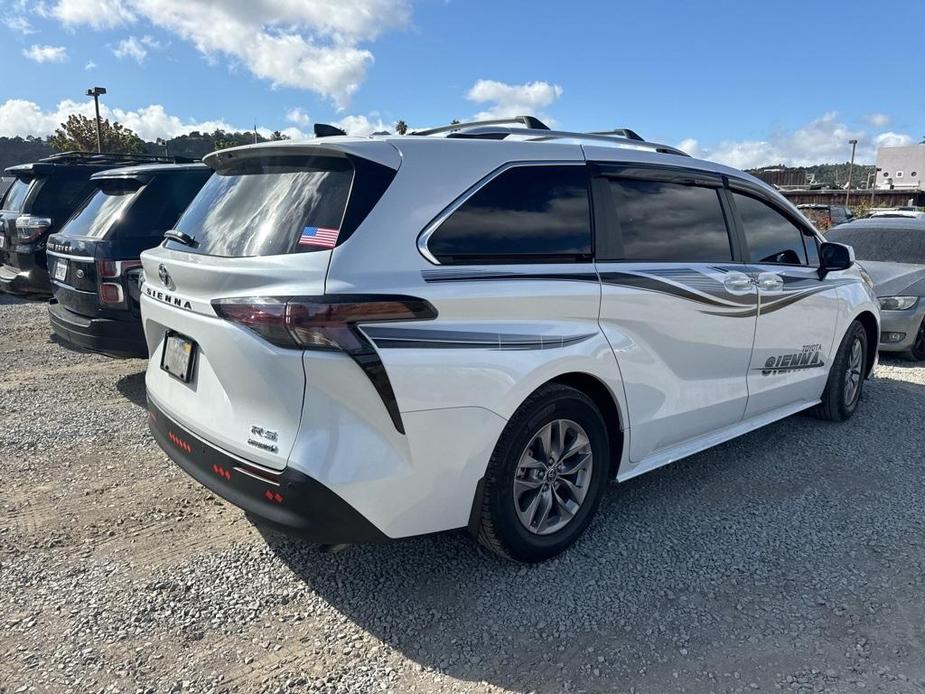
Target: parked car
x,y
41,199
362,339
826,216
94,259
5,183
897,213
893,252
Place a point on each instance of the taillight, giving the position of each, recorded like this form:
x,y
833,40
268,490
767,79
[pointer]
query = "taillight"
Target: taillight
x,y
330,323
326,322
29,227
112,292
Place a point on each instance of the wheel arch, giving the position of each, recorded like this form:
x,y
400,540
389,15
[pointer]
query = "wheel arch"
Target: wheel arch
x,y
872,327
609,408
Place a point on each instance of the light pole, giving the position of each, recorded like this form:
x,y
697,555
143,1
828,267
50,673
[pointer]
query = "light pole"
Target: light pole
x,y
854,144
96,93
873,188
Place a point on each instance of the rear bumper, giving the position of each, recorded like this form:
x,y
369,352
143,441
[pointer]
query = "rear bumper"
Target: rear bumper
x,y
288,500
14,280
113,337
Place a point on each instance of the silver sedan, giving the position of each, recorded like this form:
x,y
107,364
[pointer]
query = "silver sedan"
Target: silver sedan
x,y
893,253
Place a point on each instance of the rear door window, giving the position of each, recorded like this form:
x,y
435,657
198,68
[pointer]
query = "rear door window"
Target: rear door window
x,y
269,206
525,214
771,237
669,222
101,211
16,195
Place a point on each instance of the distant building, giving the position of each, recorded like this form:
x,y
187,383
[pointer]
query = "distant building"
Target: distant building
x,y
901,168
783,176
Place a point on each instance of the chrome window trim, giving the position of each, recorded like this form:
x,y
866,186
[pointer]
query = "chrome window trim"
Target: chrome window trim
x,y
82,258
436,222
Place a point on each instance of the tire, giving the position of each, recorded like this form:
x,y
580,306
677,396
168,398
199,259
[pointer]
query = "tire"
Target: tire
x,y
846,377
917,353
568,488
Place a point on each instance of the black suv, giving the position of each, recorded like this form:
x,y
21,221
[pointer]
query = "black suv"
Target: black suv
x,y
93,261
41,199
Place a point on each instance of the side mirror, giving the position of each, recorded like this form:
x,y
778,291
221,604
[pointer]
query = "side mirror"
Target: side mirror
x,y
834,256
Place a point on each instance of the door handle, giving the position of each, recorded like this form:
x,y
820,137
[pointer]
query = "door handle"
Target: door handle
x,y
738,283
770,282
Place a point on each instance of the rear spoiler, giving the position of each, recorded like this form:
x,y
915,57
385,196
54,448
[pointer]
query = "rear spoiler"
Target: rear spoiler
x,y
378,151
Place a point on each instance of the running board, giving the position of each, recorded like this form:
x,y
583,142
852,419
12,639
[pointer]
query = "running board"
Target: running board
x,y
701,443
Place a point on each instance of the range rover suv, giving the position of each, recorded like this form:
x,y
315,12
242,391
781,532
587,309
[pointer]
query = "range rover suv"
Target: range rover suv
x,y
41,199
93,261
479,326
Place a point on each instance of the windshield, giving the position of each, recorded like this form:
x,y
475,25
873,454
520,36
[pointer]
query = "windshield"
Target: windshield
x,y
16,195
99,213
269,206
892,245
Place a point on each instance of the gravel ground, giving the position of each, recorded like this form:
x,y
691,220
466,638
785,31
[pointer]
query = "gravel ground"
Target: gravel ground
x,y
791,559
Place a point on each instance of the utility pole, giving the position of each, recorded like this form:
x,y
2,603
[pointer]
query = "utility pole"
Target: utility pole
x,y
854,144
96,93
873,188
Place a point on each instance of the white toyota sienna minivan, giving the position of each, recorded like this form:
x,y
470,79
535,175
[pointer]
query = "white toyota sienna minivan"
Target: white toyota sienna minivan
x,y
479,326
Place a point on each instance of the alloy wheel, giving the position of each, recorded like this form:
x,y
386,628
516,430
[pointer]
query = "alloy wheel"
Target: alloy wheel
x,y
853,376
553,476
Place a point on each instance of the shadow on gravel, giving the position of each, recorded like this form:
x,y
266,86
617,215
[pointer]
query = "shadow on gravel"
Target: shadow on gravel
x,y
776,553
8,299
132,388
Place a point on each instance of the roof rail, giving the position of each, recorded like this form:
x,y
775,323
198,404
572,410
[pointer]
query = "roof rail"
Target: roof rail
x,y
500,133
620,132
105,158
529,122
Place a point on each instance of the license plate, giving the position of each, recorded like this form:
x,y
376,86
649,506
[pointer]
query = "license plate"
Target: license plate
x,y
178,357
61,270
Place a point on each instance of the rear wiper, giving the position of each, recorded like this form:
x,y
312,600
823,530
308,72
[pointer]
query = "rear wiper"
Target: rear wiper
x,y
180,237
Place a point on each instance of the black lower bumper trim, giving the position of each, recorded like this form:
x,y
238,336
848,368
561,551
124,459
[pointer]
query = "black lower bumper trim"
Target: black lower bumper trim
x,y
116,338
288,500
14,280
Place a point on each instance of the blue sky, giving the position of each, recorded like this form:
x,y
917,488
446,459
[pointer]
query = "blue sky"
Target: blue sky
x,y
747,83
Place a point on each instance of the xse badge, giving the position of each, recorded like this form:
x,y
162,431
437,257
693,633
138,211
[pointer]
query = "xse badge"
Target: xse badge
x,y
810,357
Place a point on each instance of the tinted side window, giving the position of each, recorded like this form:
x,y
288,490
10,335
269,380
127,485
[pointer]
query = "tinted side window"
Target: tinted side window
x,y
527,214
770,236
662,221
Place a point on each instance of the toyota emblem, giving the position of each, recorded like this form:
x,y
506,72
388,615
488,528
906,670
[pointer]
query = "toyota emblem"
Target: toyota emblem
x,y
165,276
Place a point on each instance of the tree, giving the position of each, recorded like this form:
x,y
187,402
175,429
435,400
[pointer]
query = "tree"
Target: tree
x,y
401,127
276,135
79,133
455,121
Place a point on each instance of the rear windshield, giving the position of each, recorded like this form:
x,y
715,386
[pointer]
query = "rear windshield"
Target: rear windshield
x,y
269,206
16,195
888,245
100,212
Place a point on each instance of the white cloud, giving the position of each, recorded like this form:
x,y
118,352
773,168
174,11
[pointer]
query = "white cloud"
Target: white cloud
x,y
22,117
878,120
298,116
291,43
362,125
46,54
131,48
99,14
507,100
90,65
19,24
823,140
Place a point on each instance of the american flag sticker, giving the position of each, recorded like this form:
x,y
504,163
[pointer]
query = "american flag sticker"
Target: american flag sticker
x,y
319,236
